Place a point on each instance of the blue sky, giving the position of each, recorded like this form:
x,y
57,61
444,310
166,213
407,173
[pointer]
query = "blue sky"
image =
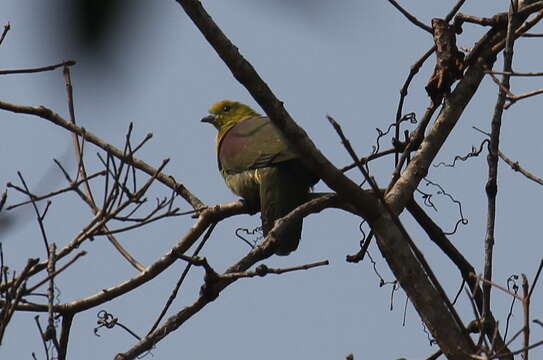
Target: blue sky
x,y
347,59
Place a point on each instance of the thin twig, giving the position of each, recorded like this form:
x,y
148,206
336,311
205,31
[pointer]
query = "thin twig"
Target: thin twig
x,y
346,143
263,270
39,216
13,293
182,278
511,279
526,313
414,69
42,336
39,69
497,286
523,350
516,167
7,27
57,271
367,159
514,73
415,140
71,187
3,199
435,355
359,256
536,278
141,223
514,98
411,18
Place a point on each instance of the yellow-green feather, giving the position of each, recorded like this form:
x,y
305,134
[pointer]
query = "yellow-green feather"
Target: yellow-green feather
x,y
224,120
258,165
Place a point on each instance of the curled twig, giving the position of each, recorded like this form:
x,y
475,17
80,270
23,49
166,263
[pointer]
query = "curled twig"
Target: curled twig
x,y
364,245
473,153
107,320
255,231
462,220
411,117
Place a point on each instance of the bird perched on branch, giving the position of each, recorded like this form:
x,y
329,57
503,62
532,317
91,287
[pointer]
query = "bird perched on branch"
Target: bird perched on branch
x,y
258,164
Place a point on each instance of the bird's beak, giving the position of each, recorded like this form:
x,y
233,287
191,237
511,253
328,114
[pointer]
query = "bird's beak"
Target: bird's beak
x,y
208,119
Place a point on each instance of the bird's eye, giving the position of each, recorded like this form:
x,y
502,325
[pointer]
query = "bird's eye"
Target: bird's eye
x,y
226,108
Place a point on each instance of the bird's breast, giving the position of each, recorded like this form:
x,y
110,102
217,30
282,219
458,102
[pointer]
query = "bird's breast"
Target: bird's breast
x,y
245,184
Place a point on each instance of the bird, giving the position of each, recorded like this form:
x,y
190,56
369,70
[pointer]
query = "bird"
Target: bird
x,y
258,164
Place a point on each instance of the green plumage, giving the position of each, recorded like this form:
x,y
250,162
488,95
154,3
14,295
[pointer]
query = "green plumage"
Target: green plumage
x,y
258,165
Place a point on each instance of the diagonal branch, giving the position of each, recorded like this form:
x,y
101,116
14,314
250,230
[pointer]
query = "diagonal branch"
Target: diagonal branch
x,y
516,167
492,159
392,242
436,234
410,17
7,27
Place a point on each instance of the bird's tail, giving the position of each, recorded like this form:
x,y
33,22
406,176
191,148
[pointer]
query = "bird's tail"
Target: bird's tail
x,y
283,188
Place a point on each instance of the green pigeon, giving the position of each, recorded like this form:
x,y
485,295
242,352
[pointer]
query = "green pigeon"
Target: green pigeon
x,y
258,164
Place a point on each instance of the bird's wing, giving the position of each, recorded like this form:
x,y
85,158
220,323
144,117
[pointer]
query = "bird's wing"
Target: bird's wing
x,y
252,144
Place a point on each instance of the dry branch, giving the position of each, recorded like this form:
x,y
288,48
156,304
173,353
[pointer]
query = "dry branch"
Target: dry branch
x,y
48,114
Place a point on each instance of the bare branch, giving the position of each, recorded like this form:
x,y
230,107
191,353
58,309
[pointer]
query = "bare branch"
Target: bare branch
x,y
182,278
454,10
65,336
410,17
263,270
515,73
413,70
39,69
3,199
526,313
514,98
7,27
516,167
367,159
71,187
39,216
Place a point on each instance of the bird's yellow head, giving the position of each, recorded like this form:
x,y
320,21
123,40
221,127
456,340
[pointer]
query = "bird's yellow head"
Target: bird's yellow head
x,y
225,114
